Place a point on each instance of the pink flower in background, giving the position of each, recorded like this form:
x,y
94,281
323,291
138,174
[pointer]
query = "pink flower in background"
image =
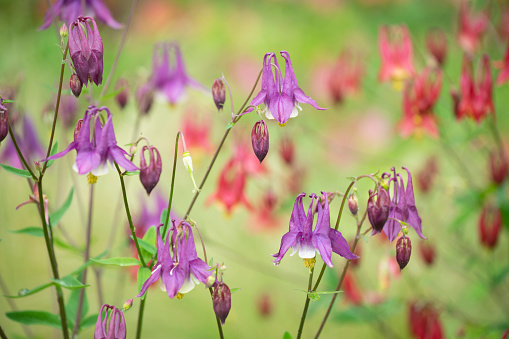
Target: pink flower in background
x,y
396,53
350,287
424,321
436,43
490,225
503,76
346,76
197,131
265,217
471,27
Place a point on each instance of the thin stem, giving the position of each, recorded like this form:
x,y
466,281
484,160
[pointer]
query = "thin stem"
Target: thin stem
x,y
86,257
131,226
170,199
57,106
53,261
2,333
306,305
140,317
218,321
122,42
20,155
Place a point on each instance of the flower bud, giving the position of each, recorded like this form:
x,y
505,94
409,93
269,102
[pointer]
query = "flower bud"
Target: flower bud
x,y
426,176
132,150
378,211
353,204
427,251
77,129
490,223
149,174
436,43
260,140
63,31
403,251
144,97
287,151
128,304
264,305
76,85
211,280
498,167
218,93
4,122
222,301
188,164
123,95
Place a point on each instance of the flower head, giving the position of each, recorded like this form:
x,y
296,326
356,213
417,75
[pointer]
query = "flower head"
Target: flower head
x,y
69,10
86,51
302,238
396,52
260,140
116,328
281,96
149,174
28,142
378,209
425,321
222,301
490,225
436,43
471,28
346,76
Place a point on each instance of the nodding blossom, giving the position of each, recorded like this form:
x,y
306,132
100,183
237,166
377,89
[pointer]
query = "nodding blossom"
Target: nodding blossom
x,y
396,52
115,329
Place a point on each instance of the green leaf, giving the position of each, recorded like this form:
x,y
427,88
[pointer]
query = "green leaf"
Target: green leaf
x,y
88,321
111,95
131,173
26,292
7,101
17,171
35,318
65,246
233,290
118,261
53,152
143,275
35,231
230,125
58,214
69,282
147,249
287,335
88,263
163,216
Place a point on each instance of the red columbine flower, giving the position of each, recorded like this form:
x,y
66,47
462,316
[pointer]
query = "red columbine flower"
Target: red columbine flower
x,y
265,217
424,321
418,100
86,51
476,98
490,223
396,52
436,43
346,76
471,27
499,167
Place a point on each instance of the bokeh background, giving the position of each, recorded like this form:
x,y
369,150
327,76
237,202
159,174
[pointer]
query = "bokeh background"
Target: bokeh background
x,y
467,284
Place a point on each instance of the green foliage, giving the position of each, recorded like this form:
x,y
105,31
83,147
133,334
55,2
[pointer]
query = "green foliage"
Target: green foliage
x,y
120,261
26,292
53,152
34,231
69,282
287,335
143,275
35,318
58,214
16,171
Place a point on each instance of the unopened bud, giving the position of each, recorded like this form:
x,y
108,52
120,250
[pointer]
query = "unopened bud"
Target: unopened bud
x,y
76,85
4,122
128,304
490,223
427,251
38,166
353,204
77,129
149,174
188,164
378,211
499,167
287,150
144,98
218,93
210,281
222,301
403,251
260,140
63,31
123,95
133,149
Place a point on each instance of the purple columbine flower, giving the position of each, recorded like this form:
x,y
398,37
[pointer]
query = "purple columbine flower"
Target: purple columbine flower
x,y
93,151
168,78
402,207
69,10
280,97
302,238
116,328
28,142
86,51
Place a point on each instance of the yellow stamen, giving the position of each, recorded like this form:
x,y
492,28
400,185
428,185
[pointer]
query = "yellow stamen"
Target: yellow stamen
x,y
180,295
91,179
309,263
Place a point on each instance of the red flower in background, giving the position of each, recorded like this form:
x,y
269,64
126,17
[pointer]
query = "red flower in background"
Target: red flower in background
x,y
265,217
352,292
499,167
427,175
425,321
490,224
418,100
427,251
197,132
503,76
471,28
476,98
436,43
396,52
346,76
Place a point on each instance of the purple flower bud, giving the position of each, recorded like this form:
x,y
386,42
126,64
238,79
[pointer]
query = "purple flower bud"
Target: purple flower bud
x,y
4,122
149,174
63,31
76,85
222,301
86,51
116,329
378,211
353,204
145,97
403,251
218,93
123,95
260,140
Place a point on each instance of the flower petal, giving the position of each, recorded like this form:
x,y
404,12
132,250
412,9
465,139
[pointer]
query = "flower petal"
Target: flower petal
x,y
340,245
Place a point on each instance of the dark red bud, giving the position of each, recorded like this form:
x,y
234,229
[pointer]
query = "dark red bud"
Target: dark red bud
x,y
222,301
426,176
218,93
123,95
378,211
264,305
4,122
260,140
498,167
490,223
436,43
76,85
149,174
287,151
353,204
77,129
456,98
145,97
403,251
428,252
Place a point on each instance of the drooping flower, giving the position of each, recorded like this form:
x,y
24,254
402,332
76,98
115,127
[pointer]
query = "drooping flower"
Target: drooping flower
x,y
403,251
427,175
4,121
378,209
265,214
218,93
281,96
499,167
490,225
69,10
170,78
436,43
222,301
396,52
471,27
116,329
144,98
93,151
428,252
346,76
197,129
86,51
287,150
123,86
28,142
424,321
260,139
419,98
302,238
149,174
353,293
76,85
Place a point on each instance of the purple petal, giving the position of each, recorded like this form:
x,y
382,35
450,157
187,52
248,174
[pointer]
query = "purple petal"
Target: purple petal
x,y
99,329
413,216
103,14
323,244
288,240
281,107
340,245
200,270
118,155
323,219
298,217
307,226
303,98
174,279
87,161
48,18
72,145
70,11
154,276
392,228
290,80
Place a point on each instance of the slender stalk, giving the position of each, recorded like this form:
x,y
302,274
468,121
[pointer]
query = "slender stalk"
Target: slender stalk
x,y
53,261
20,155
120,48
86,257
2,333
306,304
218,321
140,317
57,106
170,199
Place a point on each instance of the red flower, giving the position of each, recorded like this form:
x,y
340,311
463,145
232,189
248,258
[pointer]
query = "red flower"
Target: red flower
x,y
346,76
503,76
418,100
490,223
498,167
436,43
396,51
426,176
425,321
266,217
428,252
353,294
197,132
471,28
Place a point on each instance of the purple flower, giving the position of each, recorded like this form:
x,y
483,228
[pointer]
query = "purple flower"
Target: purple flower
x,y
28,142
402,207
69,10
86,51
94,151
116,329
168,78
302,238
280,97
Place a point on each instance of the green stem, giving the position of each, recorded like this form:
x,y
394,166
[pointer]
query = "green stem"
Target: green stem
x,y
218,321
306,304
53,261
172,184
20,155
140,317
